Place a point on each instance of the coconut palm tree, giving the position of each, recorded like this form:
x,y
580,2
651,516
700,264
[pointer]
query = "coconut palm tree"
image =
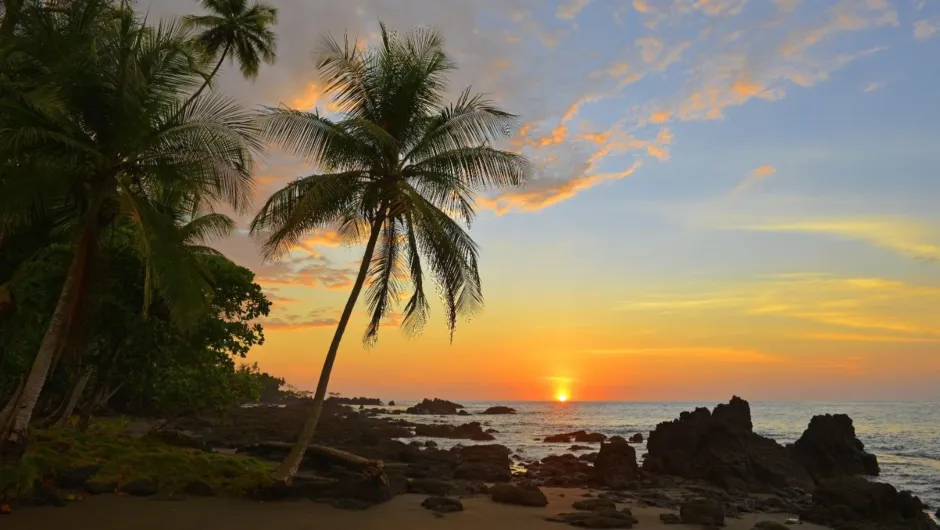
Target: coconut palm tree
x,y
399,170
238,31
92,136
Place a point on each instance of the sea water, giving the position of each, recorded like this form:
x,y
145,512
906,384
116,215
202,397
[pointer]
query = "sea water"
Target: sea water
x,y
904,435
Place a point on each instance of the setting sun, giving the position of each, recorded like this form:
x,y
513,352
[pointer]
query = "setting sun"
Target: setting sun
x,y
562,397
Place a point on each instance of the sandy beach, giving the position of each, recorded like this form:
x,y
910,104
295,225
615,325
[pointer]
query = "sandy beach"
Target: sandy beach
x,y
111,512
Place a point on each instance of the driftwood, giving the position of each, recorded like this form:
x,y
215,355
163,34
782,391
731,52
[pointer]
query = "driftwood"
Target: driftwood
x,y
371,468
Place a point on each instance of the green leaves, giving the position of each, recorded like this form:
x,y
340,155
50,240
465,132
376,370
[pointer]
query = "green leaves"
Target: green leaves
x,y
242,30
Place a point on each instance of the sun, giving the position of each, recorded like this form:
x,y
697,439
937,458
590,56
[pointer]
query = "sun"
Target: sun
x,y
562,397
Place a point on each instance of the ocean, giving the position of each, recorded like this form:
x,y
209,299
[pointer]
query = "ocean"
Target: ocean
x,y
904,435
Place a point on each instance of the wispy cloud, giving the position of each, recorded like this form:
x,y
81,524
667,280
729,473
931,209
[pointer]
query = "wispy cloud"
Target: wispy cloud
x,y
874,86
925,29
753,178
570,9
316,318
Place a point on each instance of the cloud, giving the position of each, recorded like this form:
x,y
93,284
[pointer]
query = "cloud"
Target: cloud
x,y
753,178
925,29
314,319
311,271
874,86
913,239
571,8
727,355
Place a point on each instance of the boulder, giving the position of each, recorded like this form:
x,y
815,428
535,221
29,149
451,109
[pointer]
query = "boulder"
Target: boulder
x,y
463,413
434,406
442,504
636,438
580,448
669,518
140,488
721,447
499,410
97,487
615,465
854,502
577,436
519,494
76,478
199,488
467,431
595,505
489,463
391,403
702,511
601,519
829,449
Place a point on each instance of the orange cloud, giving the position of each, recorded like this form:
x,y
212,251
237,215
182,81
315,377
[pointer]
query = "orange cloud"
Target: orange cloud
x,y
661,116
314,319
641,6
571,8
925,29
753,178
312,96
598,138
650,48
556,137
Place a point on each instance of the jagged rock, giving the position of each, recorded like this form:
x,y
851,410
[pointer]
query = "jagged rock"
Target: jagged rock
x,y
435,406
595,505
615,465
442,504
467,431
577,436
499,410
519,494
636,438
722,448
669,518
355,401
600,519
829,448
589,457
489,463
855,502
703,512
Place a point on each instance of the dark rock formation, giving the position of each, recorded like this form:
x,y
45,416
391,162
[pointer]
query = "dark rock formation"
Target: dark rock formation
x,y
76,478
522,495
354,401
435,406
577,436
580,448
98,487
615,465
599,519
829,449
442,504
636,438
595,505
199,489
140,488
489,463
703,512
856,503
722,448
391,403
669,518
499,410
467,431
559,471
442,488
463,413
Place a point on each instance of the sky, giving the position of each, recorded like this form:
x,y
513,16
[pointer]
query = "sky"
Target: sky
x,y
730,197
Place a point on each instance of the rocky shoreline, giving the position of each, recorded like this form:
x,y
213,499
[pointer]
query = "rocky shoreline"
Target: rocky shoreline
x,y
705,466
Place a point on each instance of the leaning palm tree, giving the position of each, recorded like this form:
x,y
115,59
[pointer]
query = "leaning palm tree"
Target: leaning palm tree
x,y
397,166
238,31
93,134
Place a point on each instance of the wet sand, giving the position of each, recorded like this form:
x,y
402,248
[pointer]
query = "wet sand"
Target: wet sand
x,y
110,512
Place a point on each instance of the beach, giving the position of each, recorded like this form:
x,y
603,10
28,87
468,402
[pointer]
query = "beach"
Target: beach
x,y
401,513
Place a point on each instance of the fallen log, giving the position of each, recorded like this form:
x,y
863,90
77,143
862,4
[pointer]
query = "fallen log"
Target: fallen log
x,y
368,467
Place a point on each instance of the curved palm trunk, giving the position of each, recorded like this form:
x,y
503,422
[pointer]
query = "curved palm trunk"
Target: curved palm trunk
x,y
15,436
288,468
210,78
73,398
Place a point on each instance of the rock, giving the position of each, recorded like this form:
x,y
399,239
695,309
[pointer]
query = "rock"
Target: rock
x,y
489,463
491,431
96,487
43,495
636,438
199,488
595,505
857,501
669,518
178,439
580,448
589,457
467,431
722,448
565,471
770,525
434,406
499,410
829,449
430,443
391,403
703,512
140,488
76,478
355,401
615,465
519,494
577,436
463,413
442,504
603,519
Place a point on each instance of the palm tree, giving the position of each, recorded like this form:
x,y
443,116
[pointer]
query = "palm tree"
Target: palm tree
x,y
92,136
239,31
396,167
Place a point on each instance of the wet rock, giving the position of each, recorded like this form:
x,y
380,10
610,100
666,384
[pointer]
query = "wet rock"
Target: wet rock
x,y
589,457
491,431
829,449
76,478
43,495
140,488
669,518
519,494
858,503
615,465
703,512
602,519
580,448
499,410
467,431
577,436
442,504
489,463
355,401
435,406
199,488
391,403
178,439
430,443
721,447
595,505
636,438
770,525
463,413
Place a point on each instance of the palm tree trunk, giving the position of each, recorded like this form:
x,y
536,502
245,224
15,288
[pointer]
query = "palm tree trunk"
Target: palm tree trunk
x,y
209,79
288,468
11,404
73,398
15,437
